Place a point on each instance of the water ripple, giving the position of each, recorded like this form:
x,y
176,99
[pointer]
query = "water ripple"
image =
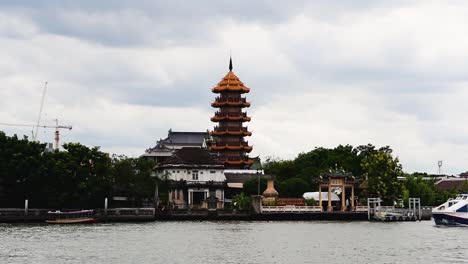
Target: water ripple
x,y
234,242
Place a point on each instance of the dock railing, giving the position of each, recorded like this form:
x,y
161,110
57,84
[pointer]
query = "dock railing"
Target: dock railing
x,y
361,208
290,209
131,211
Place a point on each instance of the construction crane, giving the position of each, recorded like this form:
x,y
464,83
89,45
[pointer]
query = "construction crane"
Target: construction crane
x,y
34,135
57,129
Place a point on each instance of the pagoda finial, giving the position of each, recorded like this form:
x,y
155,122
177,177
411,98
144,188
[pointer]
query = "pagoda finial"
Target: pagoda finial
x,y
230,63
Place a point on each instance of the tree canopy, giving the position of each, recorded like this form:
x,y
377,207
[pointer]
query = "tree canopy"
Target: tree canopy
x,y
76,177
376,170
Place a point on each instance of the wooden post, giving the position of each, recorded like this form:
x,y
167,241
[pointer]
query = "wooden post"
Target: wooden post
x,y
105,206
343,197
190,198
320,197
330,207
352,198
26,206
156,198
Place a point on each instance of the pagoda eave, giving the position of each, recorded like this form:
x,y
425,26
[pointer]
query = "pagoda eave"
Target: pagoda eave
x,y
233,133
240,89
221,104
230,118
221,148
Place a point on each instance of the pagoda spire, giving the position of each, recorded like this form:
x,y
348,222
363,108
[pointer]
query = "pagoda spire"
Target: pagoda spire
x,y
230,63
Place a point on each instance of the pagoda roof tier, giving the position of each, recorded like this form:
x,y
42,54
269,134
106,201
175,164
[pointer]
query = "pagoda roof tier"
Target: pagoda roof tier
x,y
220,102
230,83
231,147
223,143
230,116
232,133
235,131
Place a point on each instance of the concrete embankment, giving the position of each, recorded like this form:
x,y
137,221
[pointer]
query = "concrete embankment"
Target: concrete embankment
x,y
15,215
221,216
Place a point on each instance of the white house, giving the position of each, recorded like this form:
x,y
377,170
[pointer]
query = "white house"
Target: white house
x,y
194,175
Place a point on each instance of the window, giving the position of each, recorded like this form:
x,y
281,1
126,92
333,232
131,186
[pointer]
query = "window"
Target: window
x,y
212,172
194,175
201,172
177,171
173,171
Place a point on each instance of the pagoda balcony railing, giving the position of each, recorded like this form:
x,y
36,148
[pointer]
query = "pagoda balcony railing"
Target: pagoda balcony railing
x,y
234,158
234,100
230,128
230,114
245,144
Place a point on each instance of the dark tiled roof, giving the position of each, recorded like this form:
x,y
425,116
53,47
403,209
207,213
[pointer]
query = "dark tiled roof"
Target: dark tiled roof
x,y
450,184
192,156
180,139
185,137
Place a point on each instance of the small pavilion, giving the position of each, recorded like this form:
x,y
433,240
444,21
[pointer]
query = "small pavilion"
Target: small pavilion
x,y
337,180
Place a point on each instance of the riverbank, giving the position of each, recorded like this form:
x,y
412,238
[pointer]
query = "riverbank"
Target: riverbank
x,y
16,215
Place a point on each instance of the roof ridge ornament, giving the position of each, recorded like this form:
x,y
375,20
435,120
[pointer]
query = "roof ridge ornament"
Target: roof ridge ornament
x,y
230,63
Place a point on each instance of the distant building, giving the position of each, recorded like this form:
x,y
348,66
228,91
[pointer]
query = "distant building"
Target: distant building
x,y
451,184
174,141
235,180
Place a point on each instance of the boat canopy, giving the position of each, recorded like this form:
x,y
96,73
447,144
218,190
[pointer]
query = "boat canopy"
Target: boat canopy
x,y
315,196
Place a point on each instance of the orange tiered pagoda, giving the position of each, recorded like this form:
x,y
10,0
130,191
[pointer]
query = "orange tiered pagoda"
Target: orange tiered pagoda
x,y
229,135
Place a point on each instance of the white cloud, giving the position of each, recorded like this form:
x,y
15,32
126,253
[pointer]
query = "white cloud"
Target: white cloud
x,y
321,74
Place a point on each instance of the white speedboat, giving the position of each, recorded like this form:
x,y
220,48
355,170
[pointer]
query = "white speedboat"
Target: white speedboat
x,y
452,212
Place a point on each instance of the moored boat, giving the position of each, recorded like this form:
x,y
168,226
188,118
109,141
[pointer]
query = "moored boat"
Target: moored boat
x,y
454,212
75,217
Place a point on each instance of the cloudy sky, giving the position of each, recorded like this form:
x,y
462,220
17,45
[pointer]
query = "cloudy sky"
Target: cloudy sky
x,y
321,73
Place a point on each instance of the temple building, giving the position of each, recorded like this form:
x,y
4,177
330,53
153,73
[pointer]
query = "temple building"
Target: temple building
x,y
195,177
207,169
174,141
228,136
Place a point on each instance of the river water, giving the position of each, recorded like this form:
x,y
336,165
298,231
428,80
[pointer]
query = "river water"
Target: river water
x,y
234,242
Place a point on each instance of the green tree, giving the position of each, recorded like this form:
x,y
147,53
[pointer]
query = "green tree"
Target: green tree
x,y
294,188
251,186
19,159
133,178
417,186
242,201
382,171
